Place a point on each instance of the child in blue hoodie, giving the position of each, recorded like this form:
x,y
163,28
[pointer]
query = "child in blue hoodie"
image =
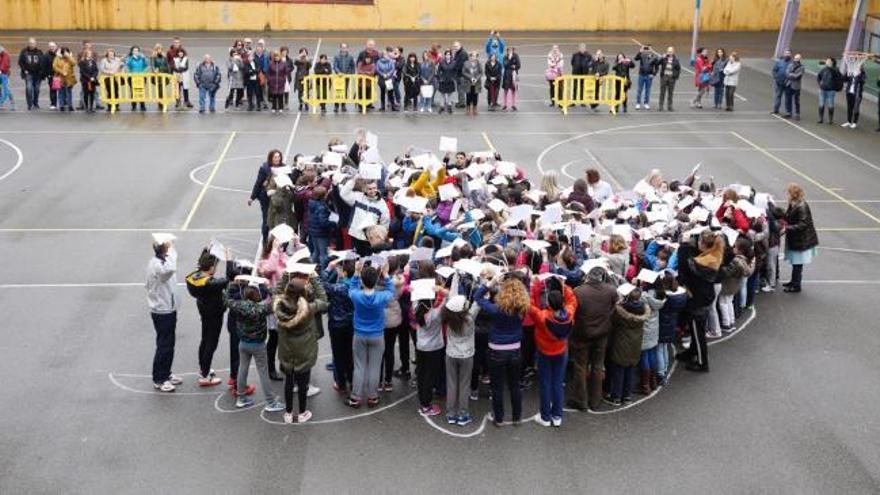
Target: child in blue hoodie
x,y
369,332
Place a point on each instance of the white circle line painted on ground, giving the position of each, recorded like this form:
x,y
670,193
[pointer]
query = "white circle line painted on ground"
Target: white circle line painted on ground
x,y
17,163
564,168
540,160
341,419
236,410
192,175
114,381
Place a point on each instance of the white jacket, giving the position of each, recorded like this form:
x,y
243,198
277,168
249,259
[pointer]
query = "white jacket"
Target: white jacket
x,y
162,284
367,212
731,73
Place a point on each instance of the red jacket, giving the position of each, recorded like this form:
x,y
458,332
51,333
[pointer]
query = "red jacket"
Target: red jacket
x,y
740,220
551,333
4,62
701,65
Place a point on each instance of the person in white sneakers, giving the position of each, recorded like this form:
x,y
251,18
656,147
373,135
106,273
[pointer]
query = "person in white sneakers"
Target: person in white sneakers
x,y
161,288
208,292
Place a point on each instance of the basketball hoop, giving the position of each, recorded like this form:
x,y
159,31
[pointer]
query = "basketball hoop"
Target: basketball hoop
x,y
853,61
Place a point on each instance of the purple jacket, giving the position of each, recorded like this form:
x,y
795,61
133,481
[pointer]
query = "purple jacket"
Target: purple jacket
x,y
277,77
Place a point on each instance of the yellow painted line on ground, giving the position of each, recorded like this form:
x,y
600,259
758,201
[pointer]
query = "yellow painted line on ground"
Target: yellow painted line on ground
x,y
488,141
806,177
207,184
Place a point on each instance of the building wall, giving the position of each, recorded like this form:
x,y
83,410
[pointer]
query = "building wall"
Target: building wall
x,y
480,15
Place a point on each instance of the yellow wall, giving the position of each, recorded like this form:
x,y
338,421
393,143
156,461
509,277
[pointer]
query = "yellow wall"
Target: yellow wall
x,y
481,15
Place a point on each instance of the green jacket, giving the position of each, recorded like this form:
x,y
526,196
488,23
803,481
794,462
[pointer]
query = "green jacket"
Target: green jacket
x,y
250,316
297,328
625,339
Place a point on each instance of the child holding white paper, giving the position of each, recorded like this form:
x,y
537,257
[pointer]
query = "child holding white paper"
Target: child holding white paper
x,y
732,275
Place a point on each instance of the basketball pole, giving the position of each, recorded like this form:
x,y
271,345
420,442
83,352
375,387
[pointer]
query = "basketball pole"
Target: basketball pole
x,y
857,27
696,32
786,29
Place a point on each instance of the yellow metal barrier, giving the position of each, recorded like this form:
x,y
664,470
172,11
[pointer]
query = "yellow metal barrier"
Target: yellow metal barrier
x,y
589,90
340,89
138,88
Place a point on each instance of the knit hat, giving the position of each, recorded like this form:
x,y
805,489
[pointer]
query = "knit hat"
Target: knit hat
x,y
456,303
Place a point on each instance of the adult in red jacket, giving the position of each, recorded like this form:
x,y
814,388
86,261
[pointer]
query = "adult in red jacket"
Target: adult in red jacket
x,y
702,75
553,324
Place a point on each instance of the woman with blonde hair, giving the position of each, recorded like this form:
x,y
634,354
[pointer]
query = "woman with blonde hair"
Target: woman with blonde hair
x,y
550,188
800,236
505,339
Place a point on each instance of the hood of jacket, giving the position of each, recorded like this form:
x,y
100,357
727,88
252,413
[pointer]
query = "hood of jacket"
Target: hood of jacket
x,y
291,314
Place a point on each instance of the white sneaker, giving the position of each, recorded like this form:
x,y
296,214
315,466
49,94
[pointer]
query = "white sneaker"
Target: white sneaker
x,y
638,106
274,406
557,422
430,110
845,124
647,107
853,126
541,421
175,380
288,418
166,386
304,416
313,391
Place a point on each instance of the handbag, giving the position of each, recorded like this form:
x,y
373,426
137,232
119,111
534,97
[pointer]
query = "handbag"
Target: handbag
x,y
705,77
56,83
551,74
427,90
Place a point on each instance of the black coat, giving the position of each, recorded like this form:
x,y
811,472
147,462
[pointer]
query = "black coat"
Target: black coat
x,y
800,234
512,66
698,279
580,63
492,73
676,66
447,75
459,58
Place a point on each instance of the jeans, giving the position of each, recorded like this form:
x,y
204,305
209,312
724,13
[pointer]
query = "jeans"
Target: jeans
x,y
622,379
662,359
648,359
32,90
458,378
667,87
429,366
301,380
165,325
778,91
826,98
341,348
257,351
772,265
551,374
588,370
719,94
65,97
504,369
211,95
320,246
4,87
792,101
367,366
644,86
212,323
425,103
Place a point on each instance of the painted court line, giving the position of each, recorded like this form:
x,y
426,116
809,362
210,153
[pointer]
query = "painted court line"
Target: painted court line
x,y
605,170
18,162
343,418
204,190
807,177
829,143
847,250
488,142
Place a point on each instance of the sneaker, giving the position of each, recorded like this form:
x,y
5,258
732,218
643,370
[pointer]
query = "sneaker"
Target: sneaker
x,y
627,400
714,335
387,387
853,126
475,395
556,422
175,380
767,288
353,403
51,107
541,421
729,329
304,416
452,420
403,375
647,107
209,381
288,418
431,410
165,386
374,401
243,402
845,124
485,380
248,390
313,391
638,106
611,401
274,405
231,382
464,420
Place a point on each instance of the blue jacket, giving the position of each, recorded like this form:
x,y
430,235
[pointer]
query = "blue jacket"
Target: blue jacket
x,y
137,64
369,309
385,67
651,257
262,61
506,329
341,309
319,219
780,70
343,63
432,228
675,304
427,71
497,50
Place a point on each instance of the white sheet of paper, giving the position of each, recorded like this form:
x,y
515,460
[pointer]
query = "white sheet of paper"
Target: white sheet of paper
x,y
730,234
333,159
283,180
334,217
506,168
762,201
594,263
456,209
370,171
371,156
699,214
536,245
421,254
583,231
303,268
251,279
624,231
648,276
534,195
372,140
217,250
448,144
477,214
497,205
477,184
285,170
423,161
339,148
443,252
299,255
414,204
625,289
448,191
422,289
519,213
471,267
445,271
685,202
282,232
